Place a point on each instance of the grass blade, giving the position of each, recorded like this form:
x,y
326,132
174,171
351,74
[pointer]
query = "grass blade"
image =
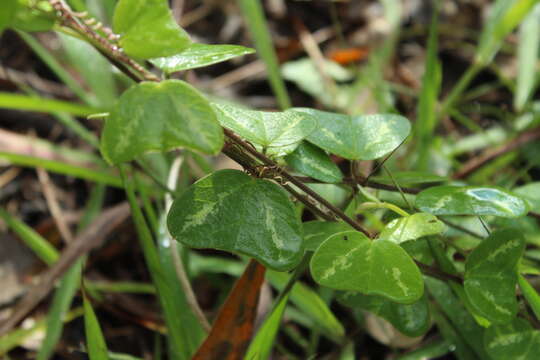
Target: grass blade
x,y
59,167
32,103
505,16
57,68
530,295
254,16
18,336
262,344
41,247
62,299
431,82
528,46
96,346
311,304
69,283
178,345
93,67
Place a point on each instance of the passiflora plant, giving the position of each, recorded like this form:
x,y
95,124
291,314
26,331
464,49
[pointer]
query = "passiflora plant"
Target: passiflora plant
x,y
397,269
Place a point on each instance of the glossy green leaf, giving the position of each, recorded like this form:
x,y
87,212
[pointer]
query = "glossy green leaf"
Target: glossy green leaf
x,y
95,342
531,193
410,178
316,232
312,161
160,117
351,261
470,200
411,227
410,319
147,29
517,340
9,8
231,211
362,137
261,345
200,55
491,275
33,15
268,129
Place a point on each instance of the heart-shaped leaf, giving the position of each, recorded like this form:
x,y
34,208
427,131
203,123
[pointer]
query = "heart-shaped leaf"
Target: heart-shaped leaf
x,y
351,261
362,137
200,55
316,232
147,29
228,210
470,200
160,117
268,129
312,161
410,319
491,275
411,227
517,340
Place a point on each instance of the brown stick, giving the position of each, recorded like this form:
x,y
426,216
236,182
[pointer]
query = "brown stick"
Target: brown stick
x,y
490,154
89,239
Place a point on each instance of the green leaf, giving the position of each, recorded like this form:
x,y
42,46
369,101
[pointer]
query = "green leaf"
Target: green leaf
x,y
147,29
268,129
516,340
261,345
411,227
491,275
160,117
97,348
419,250
200,55
312,161
410,178
316,232
470,200
9,8
410,319
531,193
351,261
228,210
362,137
33,15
